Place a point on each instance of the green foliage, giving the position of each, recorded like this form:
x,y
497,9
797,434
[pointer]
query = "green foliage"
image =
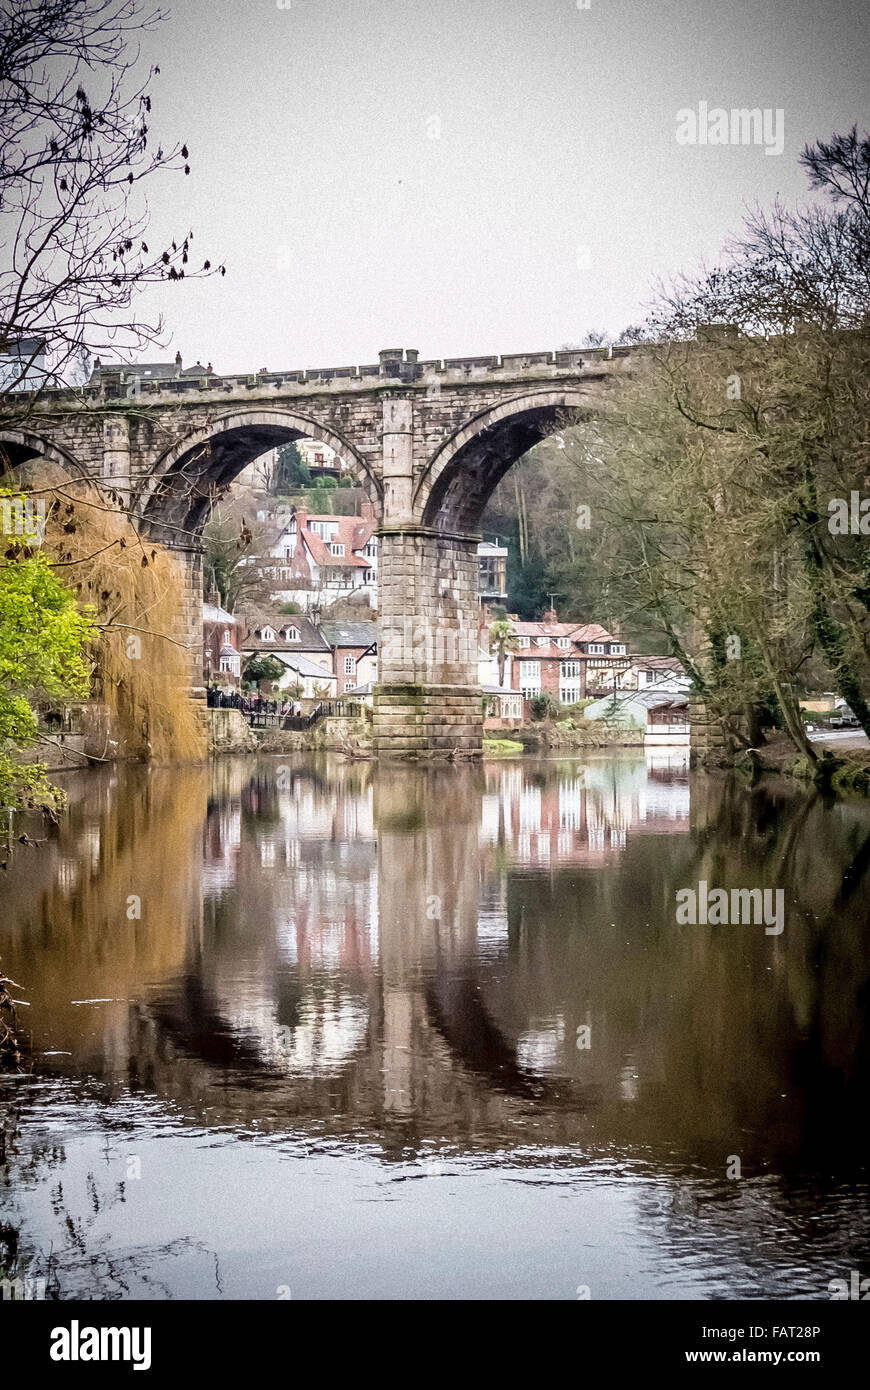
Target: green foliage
x,y
289,608
42,641
262,668
542,706
291,471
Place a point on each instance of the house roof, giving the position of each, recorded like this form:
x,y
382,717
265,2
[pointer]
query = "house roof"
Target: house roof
x,y
310,637
340,634
303,667
659,663
353,532
576,632
649,698
213,614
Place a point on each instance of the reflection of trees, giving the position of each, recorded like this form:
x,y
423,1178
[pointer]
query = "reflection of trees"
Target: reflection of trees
x,y
338,973
78,1258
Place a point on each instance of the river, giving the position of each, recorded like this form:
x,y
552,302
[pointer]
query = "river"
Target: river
x,y
307,1029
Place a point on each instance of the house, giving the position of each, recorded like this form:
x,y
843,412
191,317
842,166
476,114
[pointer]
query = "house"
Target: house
x,y
487,670
316,682
664,672
131,378
354,648
222,661
566,661
492,572
23,366
503,708
291,639
663,717
315,559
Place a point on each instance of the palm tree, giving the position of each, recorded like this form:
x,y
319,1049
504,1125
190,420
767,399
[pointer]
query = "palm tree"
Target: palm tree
x,y
502,639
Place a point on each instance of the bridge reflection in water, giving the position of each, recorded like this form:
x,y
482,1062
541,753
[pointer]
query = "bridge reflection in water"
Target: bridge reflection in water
x,y
414,961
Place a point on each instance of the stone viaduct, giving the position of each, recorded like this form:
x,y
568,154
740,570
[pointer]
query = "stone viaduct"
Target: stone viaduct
x,y
428,441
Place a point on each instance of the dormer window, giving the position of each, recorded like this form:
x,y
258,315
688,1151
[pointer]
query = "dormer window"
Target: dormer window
x,y
563,642
267,634
290,634
523,642
336,548
617,649
542,641
596,648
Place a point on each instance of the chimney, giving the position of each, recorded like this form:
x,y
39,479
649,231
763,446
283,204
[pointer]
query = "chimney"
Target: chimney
x,y
550,616
214,598
178,364
366,510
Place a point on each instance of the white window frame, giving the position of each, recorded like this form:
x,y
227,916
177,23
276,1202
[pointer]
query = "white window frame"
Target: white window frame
x,y
350,665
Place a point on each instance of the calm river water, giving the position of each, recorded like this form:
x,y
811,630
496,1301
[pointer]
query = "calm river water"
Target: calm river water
x,y
313,1029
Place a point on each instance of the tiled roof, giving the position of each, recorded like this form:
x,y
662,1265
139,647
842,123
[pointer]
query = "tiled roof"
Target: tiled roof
x,y
310,637
340,634
353,533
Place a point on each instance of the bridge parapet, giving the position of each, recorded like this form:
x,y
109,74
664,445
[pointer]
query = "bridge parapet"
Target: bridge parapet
x,y
123,382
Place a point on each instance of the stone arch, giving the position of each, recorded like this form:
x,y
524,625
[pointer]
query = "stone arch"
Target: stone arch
x,y
21,446
466,469
177,497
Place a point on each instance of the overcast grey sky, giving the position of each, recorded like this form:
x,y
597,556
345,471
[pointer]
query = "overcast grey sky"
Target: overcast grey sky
x,y
467,176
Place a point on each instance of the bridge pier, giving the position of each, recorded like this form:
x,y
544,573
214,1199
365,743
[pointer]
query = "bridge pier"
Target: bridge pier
x,y
428,702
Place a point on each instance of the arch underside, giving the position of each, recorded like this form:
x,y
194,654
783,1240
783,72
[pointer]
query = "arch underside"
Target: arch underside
x,y
468,477
193,475
19,447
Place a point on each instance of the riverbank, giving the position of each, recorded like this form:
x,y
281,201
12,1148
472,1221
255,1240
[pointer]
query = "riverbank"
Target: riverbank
x,y
843,764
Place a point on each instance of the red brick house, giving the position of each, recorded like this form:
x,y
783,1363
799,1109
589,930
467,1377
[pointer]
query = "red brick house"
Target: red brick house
x,y
566,661
221,658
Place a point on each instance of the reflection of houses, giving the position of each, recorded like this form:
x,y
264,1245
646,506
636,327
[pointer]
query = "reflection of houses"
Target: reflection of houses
x,y
565,660
583,818
220,636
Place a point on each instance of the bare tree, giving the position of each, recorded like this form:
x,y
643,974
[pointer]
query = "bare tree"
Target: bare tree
x,y
75,154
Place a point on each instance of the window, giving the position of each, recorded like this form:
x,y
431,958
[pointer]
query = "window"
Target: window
x,y
563,642
530,678
267,634
569,694
226,641
569,670
522,642
288,552
371,549
617,649
542,641
290,634
370,576
349,665
597,647
336,548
